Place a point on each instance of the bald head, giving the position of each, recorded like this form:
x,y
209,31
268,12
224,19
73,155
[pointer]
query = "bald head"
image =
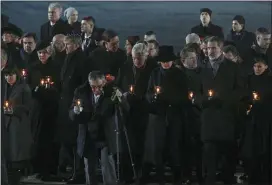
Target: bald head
x,y
58,42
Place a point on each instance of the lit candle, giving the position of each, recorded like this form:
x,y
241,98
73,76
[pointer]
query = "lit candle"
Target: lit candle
x,y
249,109
42,82
157,90
210,93
23,73
48,79
255,95
131,89
191,95
6,104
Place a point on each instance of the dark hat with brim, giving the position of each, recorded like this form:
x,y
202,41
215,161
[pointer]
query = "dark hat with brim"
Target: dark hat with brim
x,y
98,34
166,54
42,45
12,29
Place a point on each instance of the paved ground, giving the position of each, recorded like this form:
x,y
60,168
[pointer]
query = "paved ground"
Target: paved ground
x,y
171,20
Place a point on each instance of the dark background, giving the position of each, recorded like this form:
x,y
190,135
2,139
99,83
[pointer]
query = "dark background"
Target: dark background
x,y
170,20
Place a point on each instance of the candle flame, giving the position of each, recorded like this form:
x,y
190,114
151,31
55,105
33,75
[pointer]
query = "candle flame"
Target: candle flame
x,y
78,102
255,95
131,88
191,94
48,79
6,104
158,89
42,81
23,72
210,92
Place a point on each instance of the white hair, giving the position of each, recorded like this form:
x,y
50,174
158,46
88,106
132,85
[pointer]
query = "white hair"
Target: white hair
x,y
140,49
55,5
192,38
69,11
150,37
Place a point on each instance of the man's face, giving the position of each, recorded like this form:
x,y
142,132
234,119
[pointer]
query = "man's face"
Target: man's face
x,y
214,51
69,46
29,44
152,50
205,18
113,45
259,68
87,26
128,47
97,86
264,40
43,55
138,60
204,48
236,26
230,56
53,14
8,38
166,65
58,43
190,61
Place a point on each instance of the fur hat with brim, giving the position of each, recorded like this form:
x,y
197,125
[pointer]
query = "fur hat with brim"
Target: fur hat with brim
x,y
166,54
12,29
42,45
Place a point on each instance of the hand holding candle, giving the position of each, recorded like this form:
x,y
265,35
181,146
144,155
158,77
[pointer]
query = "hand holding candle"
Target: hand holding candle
x,y
210,94
24,74
78,107
191,96
157,91
7,108
131,89
42,82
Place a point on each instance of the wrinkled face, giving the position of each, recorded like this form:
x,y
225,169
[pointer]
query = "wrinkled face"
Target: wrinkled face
x,y
236,26
205,18
152,50
128,47
53,14
214,51
138,60
113,45
69,46
29,44
264,40
97,86
74,17
10,78
8,37
86,26
43,55
58,44
230,56
204,48
166,65
190,61
259,68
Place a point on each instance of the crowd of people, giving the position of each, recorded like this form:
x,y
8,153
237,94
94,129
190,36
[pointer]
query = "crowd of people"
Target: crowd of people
x,y
75,102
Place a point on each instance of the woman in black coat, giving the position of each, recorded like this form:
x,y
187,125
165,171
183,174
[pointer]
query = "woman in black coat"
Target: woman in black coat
x,y
256,146
16,107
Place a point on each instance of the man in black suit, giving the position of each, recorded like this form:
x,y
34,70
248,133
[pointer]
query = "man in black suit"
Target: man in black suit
x,y
87,29
222,88
93,109
206,28
55,25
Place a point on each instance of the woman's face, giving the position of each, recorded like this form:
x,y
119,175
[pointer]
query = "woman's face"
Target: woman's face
x,y
74,17
259,68
10,78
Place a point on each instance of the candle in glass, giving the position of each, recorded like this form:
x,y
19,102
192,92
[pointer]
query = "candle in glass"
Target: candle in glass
x,y
23,73
255,96
42,82
131,89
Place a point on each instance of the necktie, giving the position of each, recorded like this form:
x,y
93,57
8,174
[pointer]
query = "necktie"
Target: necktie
x,y
215,67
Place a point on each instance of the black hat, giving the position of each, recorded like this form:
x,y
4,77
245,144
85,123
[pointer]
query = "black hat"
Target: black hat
x,y
98,34
133,39
207,10
42,45
13,29
240,19
166,54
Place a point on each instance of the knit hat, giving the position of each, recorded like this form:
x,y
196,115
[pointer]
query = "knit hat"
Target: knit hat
x,y
240,19
69,11
207,10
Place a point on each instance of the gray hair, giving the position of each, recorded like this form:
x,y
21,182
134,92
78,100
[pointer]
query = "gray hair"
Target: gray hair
x,y
55,5
75,39
96,75
141,49
4,55
69,11
192,38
